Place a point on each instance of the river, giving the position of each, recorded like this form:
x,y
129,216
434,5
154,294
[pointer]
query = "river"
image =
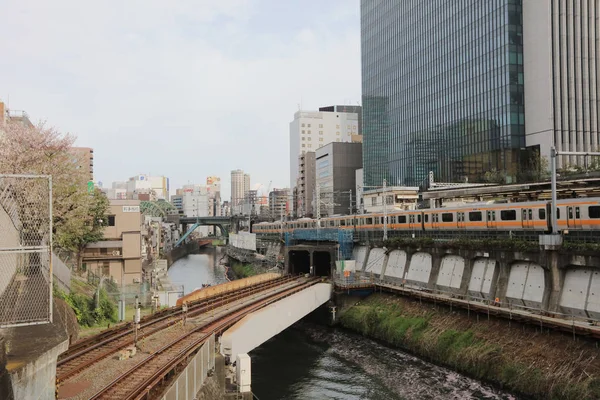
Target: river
x,y
312,362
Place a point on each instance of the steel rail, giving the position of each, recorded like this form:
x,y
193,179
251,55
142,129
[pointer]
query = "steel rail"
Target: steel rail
x,y
170,320
178,355
156,317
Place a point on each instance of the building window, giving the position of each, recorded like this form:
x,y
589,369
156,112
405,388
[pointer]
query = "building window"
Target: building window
x,y
310,146
320,125
111,220
303,138
303,131
308,132
337,127
320,132
337,133
308,125
303,145
103,251
338,140
373,201
303,125
320,139
309,138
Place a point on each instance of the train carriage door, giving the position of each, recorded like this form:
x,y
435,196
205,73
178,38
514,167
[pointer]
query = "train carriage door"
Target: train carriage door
x,y
491,218
527,218
460,219
573,217
412,221
435,223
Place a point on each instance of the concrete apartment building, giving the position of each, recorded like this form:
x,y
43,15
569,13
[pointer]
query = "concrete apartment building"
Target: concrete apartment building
x,y
336,165
305,185
311,130
119,255
85,157
279,200
156,186
240,185
195,203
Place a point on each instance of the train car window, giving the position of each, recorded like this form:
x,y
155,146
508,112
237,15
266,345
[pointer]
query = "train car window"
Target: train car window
x,y
508,215
541,213
402,219
530,214
475,216
447,217
332,223
577,213
426,217
594,212
382,220
369,221
570,211
419,218
342,222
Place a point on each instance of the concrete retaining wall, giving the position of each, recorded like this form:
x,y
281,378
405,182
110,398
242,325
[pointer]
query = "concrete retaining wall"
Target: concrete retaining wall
x,y
548,280
192,378
182,251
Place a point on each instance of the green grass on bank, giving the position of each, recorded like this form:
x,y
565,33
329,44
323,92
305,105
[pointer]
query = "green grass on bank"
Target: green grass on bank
x,y
464,351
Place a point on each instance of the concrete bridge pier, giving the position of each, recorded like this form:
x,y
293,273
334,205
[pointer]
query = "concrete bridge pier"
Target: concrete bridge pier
x,y
300,258
557,277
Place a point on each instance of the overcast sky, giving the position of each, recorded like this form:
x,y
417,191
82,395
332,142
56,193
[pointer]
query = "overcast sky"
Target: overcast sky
x,y
179,88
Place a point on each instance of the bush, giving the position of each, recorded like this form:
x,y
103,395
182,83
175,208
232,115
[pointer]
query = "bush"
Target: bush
x,y
85,309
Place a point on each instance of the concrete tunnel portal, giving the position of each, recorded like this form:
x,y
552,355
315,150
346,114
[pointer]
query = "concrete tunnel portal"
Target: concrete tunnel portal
x,y
300,261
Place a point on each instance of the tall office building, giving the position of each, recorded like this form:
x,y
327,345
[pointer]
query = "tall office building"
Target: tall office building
x,y
311,130
463,88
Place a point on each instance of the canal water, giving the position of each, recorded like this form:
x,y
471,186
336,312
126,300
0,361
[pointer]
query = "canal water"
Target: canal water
x,y
312,362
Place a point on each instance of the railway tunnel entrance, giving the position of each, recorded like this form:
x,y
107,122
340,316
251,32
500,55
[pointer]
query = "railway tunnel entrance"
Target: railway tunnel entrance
x,y
300,258
299,262
322,263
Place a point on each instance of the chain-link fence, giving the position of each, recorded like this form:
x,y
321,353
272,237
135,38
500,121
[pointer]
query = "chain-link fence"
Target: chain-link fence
x,y
25,250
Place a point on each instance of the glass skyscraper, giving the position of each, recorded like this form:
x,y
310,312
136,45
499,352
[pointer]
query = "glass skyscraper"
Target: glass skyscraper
x,y
443,90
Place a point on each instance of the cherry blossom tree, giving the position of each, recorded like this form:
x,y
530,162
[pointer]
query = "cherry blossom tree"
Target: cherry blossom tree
x,y
42,150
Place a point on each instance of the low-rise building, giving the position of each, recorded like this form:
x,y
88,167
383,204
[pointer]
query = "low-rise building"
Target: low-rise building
x,y
398,198
119,254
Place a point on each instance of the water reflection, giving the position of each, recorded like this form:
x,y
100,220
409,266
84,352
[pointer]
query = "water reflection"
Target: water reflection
x,y
195,269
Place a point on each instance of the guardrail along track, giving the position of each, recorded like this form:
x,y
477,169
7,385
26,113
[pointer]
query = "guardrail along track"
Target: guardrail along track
x,y
89,351
142,378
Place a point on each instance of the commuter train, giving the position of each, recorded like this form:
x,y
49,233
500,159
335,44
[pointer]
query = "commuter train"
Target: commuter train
x,y
572,214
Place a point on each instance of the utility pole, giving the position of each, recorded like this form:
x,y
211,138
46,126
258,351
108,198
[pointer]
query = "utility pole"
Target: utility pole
x,y
553,156
318,206
385,236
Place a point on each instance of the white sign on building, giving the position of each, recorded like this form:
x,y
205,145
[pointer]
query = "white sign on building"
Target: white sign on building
x,y
131,209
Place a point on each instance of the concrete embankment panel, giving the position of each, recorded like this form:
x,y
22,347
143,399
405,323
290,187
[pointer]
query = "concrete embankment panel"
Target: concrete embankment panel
x,y
396,266
482,278
451,273
258,327
376,261
419,270
580,293
226,287
526,284
359,253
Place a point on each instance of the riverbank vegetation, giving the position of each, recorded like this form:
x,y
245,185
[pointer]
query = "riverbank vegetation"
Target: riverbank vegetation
x,y
527,360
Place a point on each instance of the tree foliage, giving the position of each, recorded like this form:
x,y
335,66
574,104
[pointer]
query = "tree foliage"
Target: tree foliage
x,y
42,150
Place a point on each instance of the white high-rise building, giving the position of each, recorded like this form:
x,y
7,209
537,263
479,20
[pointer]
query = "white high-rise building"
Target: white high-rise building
x,y
246,183
311,130
561,63
195,204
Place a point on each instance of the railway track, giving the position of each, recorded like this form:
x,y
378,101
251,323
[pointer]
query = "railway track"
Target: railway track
x,y
82,354
139,381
